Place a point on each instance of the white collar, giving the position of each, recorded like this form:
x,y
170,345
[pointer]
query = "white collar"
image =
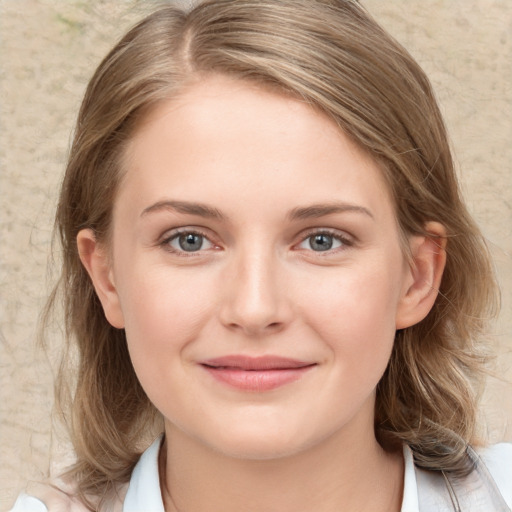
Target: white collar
x,y
144,491
410,499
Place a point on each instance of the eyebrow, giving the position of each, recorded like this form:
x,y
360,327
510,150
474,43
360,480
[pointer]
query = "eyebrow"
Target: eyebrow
x,y
299,213
320,210
185,207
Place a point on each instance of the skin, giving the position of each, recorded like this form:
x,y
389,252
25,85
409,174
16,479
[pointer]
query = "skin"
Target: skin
x,y
257,163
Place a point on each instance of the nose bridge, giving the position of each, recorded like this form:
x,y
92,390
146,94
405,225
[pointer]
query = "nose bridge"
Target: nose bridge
x,y
255,302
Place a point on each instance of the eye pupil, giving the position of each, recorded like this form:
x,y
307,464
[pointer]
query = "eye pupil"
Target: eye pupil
x,y
321,242
190,242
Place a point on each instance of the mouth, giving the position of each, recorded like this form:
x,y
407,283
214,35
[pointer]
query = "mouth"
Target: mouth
x,y
256,374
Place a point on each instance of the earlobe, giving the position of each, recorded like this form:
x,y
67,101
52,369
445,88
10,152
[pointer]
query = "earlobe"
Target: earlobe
x,y
422,286
95,259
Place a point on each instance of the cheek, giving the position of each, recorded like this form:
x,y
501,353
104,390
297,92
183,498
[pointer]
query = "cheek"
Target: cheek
x,y
163,311
352,297
354,313
164,314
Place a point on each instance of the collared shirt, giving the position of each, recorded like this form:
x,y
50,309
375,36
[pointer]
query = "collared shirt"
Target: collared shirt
x,y
143,493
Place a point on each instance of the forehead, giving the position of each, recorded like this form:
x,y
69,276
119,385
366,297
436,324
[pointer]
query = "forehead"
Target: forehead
x,y
218,105
224,138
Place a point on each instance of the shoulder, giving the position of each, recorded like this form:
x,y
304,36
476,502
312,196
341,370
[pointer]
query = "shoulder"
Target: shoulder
x,y
59,496
141,493
498,461
488,487
48,497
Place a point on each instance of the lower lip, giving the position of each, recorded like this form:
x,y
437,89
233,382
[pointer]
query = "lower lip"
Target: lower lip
x,y
257,380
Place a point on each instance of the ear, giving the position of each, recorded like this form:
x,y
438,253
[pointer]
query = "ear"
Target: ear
x,y
94,257
424,275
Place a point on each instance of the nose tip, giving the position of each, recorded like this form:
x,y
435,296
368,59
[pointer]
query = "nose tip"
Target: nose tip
x,y
255,303
259,315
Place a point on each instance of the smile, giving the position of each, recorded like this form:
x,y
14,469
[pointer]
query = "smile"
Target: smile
x,y
256,374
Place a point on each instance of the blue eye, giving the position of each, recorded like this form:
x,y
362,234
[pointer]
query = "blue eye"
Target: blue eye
x,y
321,242
189,242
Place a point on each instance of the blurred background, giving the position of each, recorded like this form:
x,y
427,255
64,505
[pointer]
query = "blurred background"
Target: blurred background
x,y
48,51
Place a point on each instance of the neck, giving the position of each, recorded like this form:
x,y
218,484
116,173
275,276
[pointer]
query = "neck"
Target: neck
x,y
337,474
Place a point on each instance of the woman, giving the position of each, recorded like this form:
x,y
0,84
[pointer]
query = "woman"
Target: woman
x,y
265,251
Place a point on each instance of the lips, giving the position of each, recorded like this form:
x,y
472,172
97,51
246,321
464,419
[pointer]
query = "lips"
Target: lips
x,y
256,374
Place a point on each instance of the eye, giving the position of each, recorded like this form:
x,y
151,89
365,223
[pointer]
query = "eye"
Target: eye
x,y
323,241
188,241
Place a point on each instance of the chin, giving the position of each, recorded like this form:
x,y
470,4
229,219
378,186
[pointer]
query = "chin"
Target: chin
x,y
262,440
263,447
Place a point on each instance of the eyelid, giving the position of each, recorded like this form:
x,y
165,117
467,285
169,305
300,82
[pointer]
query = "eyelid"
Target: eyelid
x,y
345,239
172,234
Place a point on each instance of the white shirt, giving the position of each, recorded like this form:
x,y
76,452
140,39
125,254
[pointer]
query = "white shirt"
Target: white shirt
x,y
144,494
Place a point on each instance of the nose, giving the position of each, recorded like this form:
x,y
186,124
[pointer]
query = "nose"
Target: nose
x,y
254,300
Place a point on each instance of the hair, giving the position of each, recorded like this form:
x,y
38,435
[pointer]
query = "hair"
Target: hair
x,y
332,55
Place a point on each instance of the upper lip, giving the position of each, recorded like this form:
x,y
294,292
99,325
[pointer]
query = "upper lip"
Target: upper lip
x,y
242,362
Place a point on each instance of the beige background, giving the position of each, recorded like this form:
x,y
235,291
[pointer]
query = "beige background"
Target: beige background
x,y
49,48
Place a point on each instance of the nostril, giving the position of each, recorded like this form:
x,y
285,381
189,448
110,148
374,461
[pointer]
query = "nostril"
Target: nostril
x,y
257,329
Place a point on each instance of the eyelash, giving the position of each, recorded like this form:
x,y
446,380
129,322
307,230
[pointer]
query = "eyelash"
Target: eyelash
x,y
344,240
166,242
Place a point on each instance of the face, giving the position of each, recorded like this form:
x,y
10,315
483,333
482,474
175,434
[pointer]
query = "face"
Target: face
x,y
257,270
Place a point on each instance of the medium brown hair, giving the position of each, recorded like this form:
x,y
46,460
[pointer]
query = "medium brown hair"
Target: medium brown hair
x,y
334,56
